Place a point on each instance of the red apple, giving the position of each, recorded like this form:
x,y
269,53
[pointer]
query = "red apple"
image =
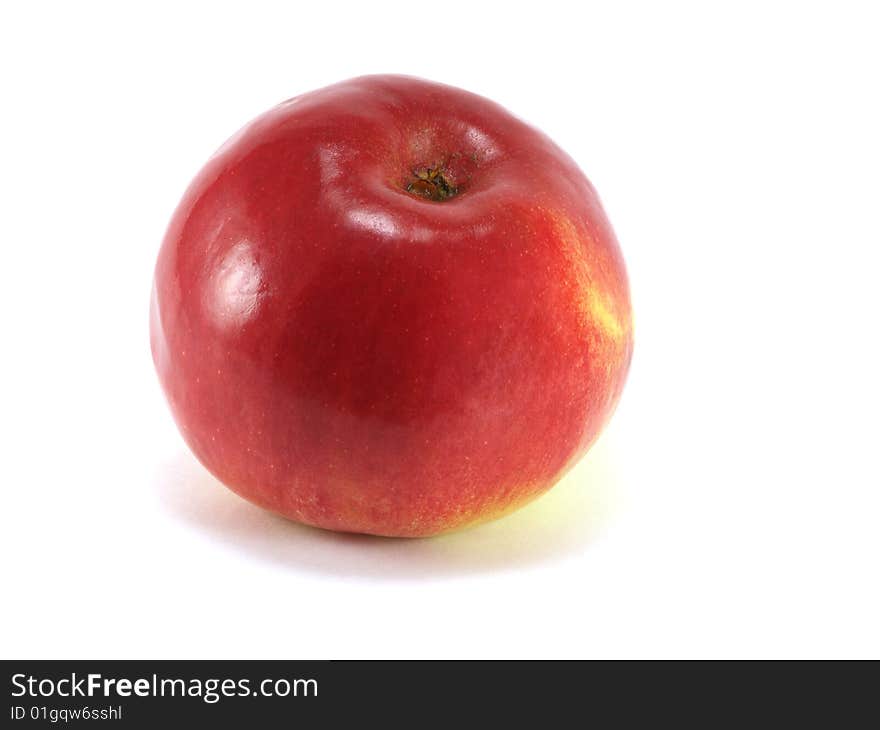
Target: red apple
x,y
391,307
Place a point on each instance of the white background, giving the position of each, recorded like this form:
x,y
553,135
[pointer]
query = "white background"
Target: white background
x,y
732,508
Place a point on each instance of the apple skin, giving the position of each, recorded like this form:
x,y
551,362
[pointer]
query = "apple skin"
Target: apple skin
x,y
342,350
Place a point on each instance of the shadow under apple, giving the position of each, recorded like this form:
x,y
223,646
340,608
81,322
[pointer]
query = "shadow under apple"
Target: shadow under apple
x,y
561,523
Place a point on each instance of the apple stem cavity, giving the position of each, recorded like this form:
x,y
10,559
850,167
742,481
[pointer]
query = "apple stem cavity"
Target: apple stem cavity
x,y
430,183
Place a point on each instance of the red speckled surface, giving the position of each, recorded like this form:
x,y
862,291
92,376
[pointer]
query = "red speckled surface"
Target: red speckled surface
x,y
357,358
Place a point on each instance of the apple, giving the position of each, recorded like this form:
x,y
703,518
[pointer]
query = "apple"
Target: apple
x,y
390,307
